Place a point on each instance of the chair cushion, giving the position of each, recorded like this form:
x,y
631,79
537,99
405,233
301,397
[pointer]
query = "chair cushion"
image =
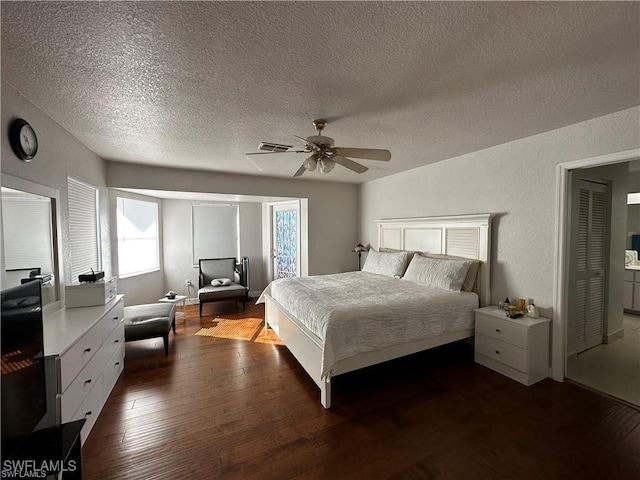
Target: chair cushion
x,y
217,268
148,320
212,293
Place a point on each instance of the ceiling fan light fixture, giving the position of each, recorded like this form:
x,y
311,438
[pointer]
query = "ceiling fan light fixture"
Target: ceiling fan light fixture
x,y
325,165
311,163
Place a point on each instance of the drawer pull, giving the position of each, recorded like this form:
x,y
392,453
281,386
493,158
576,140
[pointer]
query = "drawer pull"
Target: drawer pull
x,y
88,413
498,330
87,350
115,318
117,363
87,381
498,352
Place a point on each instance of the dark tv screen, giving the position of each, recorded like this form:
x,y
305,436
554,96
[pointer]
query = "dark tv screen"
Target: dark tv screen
x,y
23,376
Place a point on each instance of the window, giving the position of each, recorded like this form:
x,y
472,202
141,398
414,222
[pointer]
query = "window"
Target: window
x,y
138,238
214,231
83,228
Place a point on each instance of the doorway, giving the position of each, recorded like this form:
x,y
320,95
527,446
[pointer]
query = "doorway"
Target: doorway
x,y
278,248
605,360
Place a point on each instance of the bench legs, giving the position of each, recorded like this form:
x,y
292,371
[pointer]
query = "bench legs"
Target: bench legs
x,y
165,339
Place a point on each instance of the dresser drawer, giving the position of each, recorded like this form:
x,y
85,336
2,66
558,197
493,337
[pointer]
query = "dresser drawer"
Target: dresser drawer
x,y
90,408
113,370
73,396
111,320
75,359
502,352
113,343
505,330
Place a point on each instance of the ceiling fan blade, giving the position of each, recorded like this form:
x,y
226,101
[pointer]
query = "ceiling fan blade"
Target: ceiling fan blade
x,y
271,153
350,164
300,171
368,153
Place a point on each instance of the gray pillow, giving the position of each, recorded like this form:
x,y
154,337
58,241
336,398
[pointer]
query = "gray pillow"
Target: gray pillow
x,y
391,264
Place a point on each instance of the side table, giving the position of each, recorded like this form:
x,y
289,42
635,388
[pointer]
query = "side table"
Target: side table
x,y
517,348
177,300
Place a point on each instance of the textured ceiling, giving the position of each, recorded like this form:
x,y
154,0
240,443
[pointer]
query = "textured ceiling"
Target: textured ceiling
x,y
198,84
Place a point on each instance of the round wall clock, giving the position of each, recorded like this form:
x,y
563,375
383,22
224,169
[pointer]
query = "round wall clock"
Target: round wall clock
x,y
23,140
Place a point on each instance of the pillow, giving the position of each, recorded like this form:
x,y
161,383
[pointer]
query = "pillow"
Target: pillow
x,y
391,264
472,274
437,273
221,282
410,254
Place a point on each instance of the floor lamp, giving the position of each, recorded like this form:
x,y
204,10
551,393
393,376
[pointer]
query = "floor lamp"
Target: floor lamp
x,y
359,249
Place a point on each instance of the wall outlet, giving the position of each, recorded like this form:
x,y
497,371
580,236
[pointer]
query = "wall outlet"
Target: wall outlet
x,y
187,282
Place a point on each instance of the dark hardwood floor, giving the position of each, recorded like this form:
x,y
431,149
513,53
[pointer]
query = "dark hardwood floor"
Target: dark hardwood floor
x,y
231,409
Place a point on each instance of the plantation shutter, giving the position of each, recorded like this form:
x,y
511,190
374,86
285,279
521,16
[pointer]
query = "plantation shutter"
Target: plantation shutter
x,y
214,231
591,247
83,227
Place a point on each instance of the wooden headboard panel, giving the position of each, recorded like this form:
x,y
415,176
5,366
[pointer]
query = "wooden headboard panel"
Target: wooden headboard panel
x,y
461,235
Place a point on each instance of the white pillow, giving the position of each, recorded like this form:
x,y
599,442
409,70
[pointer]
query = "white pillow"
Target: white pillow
x,y
435,273
221,282
470,281
391,264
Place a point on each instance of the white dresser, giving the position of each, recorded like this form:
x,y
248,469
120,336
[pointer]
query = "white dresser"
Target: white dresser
x,y
85,356
517,348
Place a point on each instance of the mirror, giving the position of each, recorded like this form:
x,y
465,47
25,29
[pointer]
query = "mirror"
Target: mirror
x,y
29,225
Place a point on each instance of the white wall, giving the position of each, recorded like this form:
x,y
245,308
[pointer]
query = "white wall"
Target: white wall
x,y
177,244
59,155
517,183
333,221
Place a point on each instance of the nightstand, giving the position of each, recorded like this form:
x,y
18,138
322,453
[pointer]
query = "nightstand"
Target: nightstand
x,y
517,348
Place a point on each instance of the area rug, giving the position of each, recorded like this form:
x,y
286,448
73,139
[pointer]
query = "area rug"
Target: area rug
x,y
247,329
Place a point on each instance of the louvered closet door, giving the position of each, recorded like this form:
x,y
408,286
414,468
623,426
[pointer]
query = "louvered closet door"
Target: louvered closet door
x,y
590,264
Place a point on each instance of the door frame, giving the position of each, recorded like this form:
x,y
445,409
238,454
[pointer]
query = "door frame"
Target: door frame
x,y
561,252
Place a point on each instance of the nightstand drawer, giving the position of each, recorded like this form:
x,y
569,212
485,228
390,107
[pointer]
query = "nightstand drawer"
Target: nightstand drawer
x,y
502,352
505,330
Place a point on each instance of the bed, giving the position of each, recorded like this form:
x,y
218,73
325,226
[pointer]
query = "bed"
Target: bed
x,y
334,324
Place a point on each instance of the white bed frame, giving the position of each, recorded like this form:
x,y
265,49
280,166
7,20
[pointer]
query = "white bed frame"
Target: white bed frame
x,y
463,235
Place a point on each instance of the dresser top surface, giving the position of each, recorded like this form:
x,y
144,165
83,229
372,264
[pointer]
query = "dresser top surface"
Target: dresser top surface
x,y
65,326
524,320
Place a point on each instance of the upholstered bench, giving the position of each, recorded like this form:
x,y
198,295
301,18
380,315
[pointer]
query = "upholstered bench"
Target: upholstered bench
x,y
150,321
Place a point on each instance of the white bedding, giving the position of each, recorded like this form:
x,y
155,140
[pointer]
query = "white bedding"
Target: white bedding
x,y
357,312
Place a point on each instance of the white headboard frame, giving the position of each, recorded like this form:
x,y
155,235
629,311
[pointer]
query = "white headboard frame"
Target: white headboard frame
x,y
461,235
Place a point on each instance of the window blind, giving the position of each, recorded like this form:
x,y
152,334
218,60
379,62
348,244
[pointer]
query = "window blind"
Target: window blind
x,y
83,227
27,233
214,231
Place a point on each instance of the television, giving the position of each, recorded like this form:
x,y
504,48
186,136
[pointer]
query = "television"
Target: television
x,y
23,372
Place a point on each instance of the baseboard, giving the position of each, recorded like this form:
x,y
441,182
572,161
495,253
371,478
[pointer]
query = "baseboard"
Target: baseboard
x,y
614,336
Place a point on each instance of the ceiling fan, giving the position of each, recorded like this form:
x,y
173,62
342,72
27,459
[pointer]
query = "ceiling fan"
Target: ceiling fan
x,y
324,153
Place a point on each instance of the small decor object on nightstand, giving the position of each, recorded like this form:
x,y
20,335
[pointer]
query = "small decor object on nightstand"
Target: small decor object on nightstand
x,y
23,140
359,249
170,295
